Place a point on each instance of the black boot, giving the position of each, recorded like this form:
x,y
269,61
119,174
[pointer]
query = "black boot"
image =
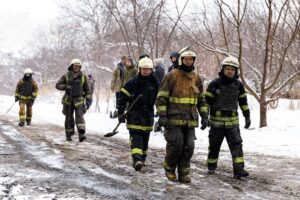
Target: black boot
x,y
138,165
21,123
240,174
81,135
28,123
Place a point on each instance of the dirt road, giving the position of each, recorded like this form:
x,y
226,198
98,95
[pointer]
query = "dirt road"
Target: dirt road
x,y
37,163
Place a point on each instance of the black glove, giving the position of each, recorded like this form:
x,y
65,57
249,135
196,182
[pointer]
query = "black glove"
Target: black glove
x,y
247,122
17,98
163,121
68,90
121,118
204,123
88,103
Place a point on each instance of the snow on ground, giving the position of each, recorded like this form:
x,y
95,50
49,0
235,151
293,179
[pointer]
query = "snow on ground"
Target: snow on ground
x,y
279,138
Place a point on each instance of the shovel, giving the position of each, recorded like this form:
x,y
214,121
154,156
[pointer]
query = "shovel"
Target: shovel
x,y
114,132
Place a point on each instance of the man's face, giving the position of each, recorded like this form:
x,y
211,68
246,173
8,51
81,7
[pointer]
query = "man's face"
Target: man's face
x,y
173,58
188,61
76,67
123,61
145,71
229,71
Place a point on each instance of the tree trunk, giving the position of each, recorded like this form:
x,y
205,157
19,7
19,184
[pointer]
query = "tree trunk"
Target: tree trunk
x,y
263,114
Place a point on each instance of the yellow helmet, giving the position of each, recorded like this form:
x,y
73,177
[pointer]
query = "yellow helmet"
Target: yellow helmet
x,y
146,63
231,61
185,52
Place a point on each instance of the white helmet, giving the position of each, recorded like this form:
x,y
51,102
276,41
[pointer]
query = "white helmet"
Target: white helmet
x,y
185,52
74,61
146,63
28,71
231,61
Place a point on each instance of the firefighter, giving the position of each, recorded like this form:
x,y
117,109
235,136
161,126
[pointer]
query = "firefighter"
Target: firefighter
x,y
223,96
26,93
140,118
178,103
76,99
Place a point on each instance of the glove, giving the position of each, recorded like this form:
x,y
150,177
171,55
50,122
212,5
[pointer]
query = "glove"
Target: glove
x,y
17,98
68,90
247,122
163,121
121,118
88,103
204,123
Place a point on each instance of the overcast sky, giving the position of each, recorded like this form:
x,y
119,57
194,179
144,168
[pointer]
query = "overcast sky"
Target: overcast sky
x,y
19,18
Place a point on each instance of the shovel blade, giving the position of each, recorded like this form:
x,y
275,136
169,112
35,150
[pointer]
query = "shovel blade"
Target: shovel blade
x,y
111,134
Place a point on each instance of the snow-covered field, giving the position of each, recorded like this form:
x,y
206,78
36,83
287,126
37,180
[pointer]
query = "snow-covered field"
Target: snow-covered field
x,y
280,138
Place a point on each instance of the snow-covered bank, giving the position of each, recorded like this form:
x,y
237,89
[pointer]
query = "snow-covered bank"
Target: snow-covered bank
x,y
279,138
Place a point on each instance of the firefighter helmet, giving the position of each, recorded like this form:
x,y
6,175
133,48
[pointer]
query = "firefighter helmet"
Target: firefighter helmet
x,y
231,61
146,63
28,71
74,61
185,52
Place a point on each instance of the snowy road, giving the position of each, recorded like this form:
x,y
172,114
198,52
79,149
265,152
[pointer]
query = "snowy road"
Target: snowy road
x,y
37,163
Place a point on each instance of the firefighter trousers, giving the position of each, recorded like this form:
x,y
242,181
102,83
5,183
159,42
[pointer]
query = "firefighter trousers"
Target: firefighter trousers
x,y
179,149
68,111
139,145
25,112
234,141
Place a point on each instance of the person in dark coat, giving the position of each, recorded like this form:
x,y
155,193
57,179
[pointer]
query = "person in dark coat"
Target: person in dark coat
x,y
140,118
223,96
159,69
76,99
174,59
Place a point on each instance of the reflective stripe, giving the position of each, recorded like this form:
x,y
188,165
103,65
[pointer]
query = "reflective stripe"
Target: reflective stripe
x,y
78,104
178,122
137,151
167,168
243,95
27,117
204,109
224,119
69,130
25,97
238,160
82,79
244,107
184,170
81,126
22,117
125,92
212,160
183,100
67,78
139,127
161,108
163,94
208,94
34,94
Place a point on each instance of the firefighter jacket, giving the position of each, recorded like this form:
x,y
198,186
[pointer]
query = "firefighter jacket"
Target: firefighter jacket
x,y
141,116
79,88
27,89
223,97
121,75
180,98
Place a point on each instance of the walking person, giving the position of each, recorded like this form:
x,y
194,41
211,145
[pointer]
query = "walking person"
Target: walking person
x,y
26,93
140,118
178,103
223,96
77,99
159,69
174,59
